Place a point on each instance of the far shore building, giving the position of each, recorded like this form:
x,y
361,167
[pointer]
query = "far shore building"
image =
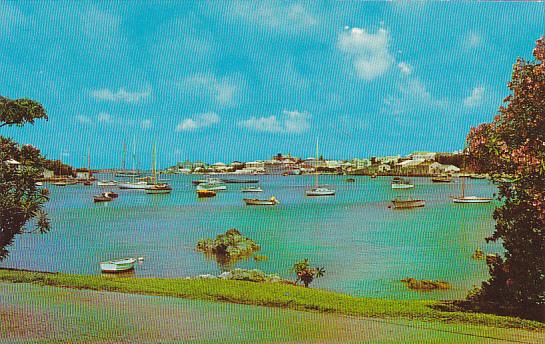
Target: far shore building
x,y
426,156
437,168
48,174
383,168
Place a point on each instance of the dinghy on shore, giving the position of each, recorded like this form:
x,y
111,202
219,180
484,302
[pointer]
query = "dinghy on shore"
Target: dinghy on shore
x,y
119,265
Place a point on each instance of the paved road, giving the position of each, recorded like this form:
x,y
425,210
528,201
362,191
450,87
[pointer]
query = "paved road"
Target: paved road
x,y
35,314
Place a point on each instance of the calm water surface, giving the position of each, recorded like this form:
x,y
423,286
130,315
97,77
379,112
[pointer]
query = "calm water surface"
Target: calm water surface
x,y
365,247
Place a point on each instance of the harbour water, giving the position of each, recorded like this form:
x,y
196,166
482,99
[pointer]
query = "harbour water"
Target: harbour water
x,y
365,246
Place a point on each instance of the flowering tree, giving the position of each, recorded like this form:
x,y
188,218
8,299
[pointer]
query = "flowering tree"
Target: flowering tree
x,y
513,144
305,273
21,201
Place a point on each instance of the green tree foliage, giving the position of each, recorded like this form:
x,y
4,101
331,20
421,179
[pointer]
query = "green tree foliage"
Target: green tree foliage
x,y
450,159
305,273
21,202
20,111
514,144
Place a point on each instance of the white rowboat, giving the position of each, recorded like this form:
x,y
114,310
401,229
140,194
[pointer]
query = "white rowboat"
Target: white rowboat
x,y
120,265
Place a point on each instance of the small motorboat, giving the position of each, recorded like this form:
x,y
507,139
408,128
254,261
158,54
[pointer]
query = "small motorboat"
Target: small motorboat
x,y
101,198
350,180
252,189
374,175
320,191
477,176
255,201
60,183
39,184
212,187
206,193
119,265
87,183
159,189
408,203
441,179
110,194
401,183
107,183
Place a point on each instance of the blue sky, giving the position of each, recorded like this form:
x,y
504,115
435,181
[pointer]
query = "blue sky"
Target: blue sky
x,y
222,81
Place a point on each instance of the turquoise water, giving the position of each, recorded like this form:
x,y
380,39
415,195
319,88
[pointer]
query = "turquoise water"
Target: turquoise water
x,y
365,247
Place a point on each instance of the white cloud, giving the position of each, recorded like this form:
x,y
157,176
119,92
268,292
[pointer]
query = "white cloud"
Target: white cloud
x,y
120,95
104,117
413,97
405,68
199,121
291,122
476,97
368,52
146,124
472,40
223,91
277,17
84,119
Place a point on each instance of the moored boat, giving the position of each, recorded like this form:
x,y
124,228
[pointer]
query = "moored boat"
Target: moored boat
x,y
441,179
205,193
374,175
107,183
470,199
350,180
110,194
39,184
159,189
119,265
320,191
213,187
255,201
134,185
408,203
252,189
401,183
101,198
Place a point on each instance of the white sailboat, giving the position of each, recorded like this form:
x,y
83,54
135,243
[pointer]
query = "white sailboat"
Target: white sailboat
x,y
319,190
470,199
134,185
157,188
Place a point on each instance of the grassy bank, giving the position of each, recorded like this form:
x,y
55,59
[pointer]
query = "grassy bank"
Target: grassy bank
x,y
267,294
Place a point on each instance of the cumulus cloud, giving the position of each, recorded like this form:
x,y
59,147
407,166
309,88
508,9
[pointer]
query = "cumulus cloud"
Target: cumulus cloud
x,y
367,51
412,97
84,119
121,95
222,90
405,68
104,117
291,122
146,124
472,40
280,16
199,121
476,97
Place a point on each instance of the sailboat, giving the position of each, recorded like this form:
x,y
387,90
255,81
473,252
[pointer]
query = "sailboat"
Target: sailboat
x,y
157,188
319,190
132,185
87,181
123,172
470,199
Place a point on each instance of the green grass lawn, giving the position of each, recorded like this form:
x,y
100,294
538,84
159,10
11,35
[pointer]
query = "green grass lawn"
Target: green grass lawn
x,y
268,294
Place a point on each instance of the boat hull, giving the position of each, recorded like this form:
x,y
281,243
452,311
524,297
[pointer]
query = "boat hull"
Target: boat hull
x,y
470,199
320,193
253,201
115,266
134,186
402,186
408,204
205,193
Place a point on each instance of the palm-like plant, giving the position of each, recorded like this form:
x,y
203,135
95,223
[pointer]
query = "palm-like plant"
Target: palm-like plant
x,y
305,273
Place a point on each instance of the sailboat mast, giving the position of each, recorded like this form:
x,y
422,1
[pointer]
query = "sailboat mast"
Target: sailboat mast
x,y
154,165
316,172
123,157
88,164
463,186
134,168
